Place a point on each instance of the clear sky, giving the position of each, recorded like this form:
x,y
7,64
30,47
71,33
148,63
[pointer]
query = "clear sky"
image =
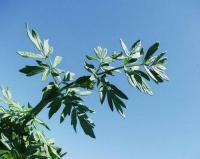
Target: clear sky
x,y
165,126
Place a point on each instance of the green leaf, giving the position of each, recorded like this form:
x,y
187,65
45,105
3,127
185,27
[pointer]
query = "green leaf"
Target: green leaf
x,y
53,152
136,50
142,52
6,93
146,88
69,76
41,63
160,72
100,52
136,81
151,51
109,98
45,74
118,92
109,69
119,101
54,107
89,67
132,60
41,123
38,157
85,82
84,109
108,59
74,119
118,56
162,61
102,93
118,105
136,46
124,47
5,141
150,74
34,37
89,57
50,92
66,111
32,70
156,75
57,61
158,58
131,80
142,74
126,61
87,125
3,152
104,64
82,79
30,55
47,49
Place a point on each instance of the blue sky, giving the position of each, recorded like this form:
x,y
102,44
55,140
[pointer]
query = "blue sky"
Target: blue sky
x,y
165,126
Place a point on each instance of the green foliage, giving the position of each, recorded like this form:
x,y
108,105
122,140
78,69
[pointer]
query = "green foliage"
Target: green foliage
x,y
113,95
20,136
32,70
136,65
19,140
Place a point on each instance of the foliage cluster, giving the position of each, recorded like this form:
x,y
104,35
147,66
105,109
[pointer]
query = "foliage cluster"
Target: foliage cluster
x,y
20,134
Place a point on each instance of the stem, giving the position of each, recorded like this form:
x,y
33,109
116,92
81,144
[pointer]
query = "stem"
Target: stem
x,y
44,101
36,110
99,68
41,105
117,68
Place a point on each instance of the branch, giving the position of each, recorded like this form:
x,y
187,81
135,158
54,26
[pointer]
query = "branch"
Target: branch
x,y
38,108
108,71
35,111
117,68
